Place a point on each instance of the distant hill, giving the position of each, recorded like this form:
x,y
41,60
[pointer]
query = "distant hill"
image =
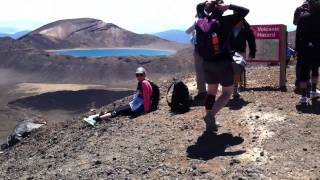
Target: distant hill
x,y
10,44
174,35
48,67
15,35
86,33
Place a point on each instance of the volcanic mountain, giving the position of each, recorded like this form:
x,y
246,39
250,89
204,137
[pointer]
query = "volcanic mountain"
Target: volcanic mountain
x,y
86,33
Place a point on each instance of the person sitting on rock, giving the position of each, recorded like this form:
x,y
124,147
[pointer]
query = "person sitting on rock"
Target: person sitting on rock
x,y
141,102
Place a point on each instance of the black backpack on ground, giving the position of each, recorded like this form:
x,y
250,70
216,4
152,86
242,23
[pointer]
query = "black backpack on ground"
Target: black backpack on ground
x,y
155,97
180,99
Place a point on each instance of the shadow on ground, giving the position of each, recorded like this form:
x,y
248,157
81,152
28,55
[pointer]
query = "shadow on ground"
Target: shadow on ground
x,y
313,109
265,88
210,145
237,103
74,101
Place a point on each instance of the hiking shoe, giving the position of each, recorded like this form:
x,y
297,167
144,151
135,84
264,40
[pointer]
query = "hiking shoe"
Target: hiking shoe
x,y
236,95
201,95
211,125
314,94
304,101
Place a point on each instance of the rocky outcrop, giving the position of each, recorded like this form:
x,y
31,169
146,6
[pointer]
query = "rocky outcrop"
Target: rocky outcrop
x,y
86,33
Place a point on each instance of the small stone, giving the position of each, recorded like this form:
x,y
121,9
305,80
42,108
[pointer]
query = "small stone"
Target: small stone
x,y
305,149
262,153
259,159
97,162
203,171
234,161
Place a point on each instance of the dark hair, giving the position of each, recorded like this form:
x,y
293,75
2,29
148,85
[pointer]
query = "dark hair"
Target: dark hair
x,y
201,6
200,10
314,6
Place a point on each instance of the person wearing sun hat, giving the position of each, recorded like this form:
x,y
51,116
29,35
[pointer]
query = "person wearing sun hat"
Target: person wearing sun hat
x,y
141,102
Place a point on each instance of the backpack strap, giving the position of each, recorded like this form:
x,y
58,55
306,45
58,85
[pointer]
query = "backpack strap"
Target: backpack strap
x,y
168,92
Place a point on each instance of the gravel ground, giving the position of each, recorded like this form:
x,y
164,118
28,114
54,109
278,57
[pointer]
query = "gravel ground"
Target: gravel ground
x,y
264,135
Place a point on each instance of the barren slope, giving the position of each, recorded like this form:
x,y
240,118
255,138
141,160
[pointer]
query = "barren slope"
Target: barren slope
x,y
263,136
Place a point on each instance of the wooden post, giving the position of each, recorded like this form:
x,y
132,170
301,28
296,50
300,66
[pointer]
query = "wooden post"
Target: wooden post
x,y
283,56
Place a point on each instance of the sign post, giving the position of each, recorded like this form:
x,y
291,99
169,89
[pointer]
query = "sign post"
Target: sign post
x,y
271,43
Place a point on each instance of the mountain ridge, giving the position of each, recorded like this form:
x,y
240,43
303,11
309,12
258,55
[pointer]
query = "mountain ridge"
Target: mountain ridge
x,y
174,35
86,33
16,35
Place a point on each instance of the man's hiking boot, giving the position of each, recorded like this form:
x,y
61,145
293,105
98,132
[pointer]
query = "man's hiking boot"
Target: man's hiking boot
x,y
236,93
305,101
211,125
201,96
314,94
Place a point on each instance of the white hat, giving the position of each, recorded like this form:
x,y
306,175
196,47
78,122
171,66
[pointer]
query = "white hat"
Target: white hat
x,y
140,70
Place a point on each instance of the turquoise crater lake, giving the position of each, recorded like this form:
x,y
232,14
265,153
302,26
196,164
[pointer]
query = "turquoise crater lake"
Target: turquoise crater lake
x,y
113,52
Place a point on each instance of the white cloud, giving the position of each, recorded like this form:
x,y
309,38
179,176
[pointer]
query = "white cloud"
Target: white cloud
x,y
142,16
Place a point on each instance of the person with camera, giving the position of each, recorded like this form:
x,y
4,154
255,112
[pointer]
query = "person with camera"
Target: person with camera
x,y
213,31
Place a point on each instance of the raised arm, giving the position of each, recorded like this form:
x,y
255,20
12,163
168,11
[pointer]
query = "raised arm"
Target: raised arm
x,y
251,41
238,13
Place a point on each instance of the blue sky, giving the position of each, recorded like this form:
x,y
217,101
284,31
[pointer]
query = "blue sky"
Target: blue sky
x,y
140,16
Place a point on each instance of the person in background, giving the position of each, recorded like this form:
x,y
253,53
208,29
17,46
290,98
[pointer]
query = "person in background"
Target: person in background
x,y
242,34
217,68
141,102
300,12
308,48
198,63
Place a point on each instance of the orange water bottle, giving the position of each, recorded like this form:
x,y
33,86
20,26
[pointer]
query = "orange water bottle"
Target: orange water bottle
x,y
215,43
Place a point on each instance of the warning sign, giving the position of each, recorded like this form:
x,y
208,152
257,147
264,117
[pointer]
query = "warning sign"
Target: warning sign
x,y
271,42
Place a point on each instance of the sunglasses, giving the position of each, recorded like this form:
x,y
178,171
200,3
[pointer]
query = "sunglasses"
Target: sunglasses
x,y
139,74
